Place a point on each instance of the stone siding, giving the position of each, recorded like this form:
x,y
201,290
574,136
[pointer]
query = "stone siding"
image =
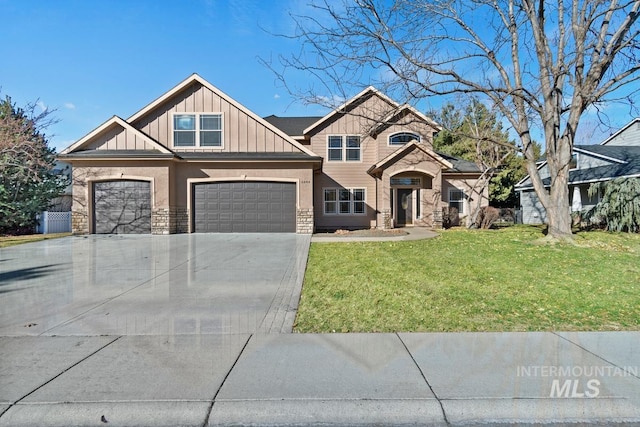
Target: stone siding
x,y
79,222
304,221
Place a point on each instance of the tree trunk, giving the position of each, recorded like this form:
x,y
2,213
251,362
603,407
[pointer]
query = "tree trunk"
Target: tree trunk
x,y
559,213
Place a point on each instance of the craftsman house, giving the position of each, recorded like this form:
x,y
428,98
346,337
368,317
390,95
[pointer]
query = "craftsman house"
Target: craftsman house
x,y
195,160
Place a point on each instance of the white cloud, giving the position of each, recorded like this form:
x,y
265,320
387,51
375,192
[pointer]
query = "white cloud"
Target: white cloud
x,y
42,105
276,96
69,106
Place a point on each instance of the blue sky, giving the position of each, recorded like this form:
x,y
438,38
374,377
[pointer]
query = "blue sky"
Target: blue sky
x,y
92,59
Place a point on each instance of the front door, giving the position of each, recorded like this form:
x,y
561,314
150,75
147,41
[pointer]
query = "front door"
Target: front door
x,y
404,209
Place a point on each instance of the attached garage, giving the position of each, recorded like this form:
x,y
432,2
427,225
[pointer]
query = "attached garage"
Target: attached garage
x,y
244,207
122,207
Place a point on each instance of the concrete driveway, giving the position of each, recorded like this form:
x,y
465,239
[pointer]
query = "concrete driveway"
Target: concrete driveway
x,y
173,330
152,285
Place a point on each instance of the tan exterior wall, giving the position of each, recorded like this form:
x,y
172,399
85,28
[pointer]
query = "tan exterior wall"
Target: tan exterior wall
x,y
415,164
85,173
467,184
359,121
118,138
241,132
171,187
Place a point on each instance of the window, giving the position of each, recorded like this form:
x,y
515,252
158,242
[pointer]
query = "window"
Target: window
x,y
211,130
335,149
456,199
406,181
353,149
344,201
184,130
343,148
330,201
402,138
197,130
574,161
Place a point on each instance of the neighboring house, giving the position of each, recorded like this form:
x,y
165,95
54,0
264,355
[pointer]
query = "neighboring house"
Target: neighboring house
x,y
616,157
195,160
63,202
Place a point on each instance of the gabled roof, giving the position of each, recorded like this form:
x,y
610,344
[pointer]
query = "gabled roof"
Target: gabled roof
x,y
342,108
114,121
195,78
624,128
403,151
613,153
371,91
625,163
404,108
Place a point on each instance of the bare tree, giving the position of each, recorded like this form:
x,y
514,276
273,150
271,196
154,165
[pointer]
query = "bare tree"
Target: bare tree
x,y
542,64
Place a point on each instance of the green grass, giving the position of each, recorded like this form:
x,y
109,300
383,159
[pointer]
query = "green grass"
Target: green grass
x,y
6,241
495,280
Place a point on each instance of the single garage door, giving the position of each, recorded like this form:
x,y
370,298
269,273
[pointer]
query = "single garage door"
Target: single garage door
x,y
122,207
245,207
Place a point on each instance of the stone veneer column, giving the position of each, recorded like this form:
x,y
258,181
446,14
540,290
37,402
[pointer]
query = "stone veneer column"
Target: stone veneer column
x,y
437,218
160,221
181,220
304,221
387,220
79,222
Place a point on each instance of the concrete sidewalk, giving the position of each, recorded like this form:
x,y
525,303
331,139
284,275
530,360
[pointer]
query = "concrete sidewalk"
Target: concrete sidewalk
x,y
322,379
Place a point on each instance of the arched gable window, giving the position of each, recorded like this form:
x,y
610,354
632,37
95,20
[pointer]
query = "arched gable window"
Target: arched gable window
x,y
402,138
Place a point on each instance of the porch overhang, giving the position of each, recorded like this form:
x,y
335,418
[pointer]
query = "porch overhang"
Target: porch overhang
x,y
378,168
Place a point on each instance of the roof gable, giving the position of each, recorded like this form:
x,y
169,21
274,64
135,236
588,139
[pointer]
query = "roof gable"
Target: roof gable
x,y
186,85
404,151
385,116
631,130
116,134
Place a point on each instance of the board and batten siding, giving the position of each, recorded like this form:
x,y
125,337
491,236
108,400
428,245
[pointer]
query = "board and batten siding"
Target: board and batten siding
x,y
241,132
118,138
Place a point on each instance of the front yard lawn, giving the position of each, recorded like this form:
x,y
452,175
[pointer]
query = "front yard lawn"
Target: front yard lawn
x,y
494,280
6,241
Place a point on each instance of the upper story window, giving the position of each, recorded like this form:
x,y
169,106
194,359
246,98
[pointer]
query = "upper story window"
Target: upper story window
x,y
197,130
573,164
402,138
343,148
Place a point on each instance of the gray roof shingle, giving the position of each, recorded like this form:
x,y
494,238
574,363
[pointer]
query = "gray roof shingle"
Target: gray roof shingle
x,y
628,154
292,126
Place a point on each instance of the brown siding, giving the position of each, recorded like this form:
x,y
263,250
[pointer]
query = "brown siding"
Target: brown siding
x,y
242,133
359,121
465,183
119,138
87,172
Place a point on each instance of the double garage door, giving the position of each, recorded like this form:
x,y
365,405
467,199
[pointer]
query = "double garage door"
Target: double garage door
x,y
244,207
124,207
